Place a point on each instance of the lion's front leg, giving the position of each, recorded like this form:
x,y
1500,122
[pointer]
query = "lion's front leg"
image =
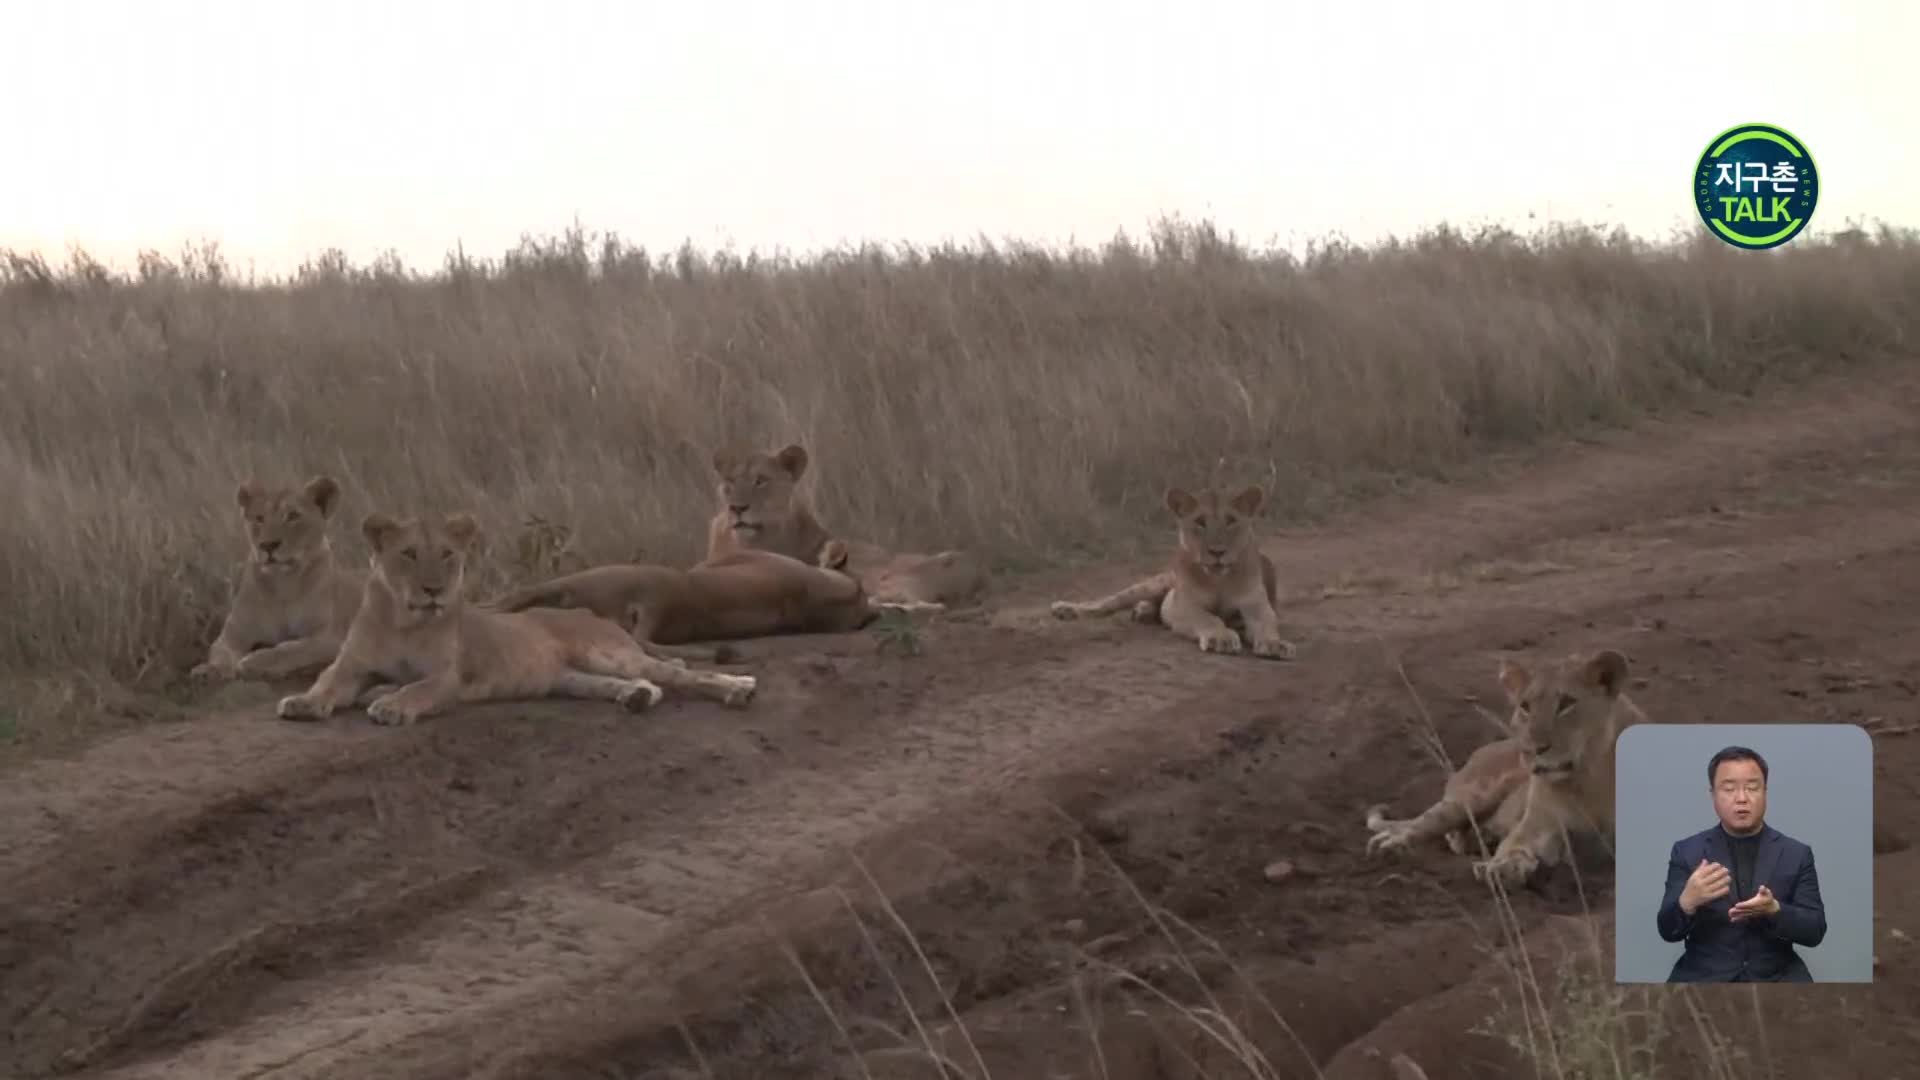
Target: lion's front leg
x,y
223,656
1263,626
290,658
339,685
1535,841
1152,590
430,695
1389,834
1188,618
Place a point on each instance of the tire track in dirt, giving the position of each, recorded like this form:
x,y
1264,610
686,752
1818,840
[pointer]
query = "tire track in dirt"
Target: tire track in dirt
x,y
1046,698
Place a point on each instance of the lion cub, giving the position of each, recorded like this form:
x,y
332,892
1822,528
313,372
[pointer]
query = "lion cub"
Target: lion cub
x,y
762,509
1219,584
414,629
1552,777
292,602
742,595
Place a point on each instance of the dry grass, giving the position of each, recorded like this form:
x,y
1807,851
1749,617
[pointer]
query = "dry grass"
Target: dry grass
x,y
1025,403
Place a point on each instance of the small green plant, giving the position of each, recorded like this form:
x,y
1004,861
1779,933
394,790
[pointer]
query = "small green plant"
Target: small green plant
x,y
897,632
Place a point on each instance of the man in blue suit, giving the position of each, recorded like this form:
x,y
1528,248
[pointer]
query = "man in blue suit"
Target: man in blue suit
x,y
1741,894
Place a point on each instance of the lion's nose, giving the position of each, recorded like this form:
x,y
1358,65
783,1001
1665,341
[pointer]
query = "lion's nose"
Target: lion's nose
x,y
737,510
269,546
1218,553
432,591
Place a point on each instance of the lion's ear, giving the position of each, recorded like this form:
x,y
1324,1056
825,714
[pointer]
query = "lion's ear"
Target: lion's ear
x,y
792,458
1250,501
1514,679
246,494
833,555
1181,501
724,459
1607,669
324,493
378,528
463,530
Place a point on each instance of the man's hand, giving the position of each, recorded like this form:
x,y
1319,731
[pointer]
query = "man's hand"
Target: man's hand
x,y
1760,905
1709,882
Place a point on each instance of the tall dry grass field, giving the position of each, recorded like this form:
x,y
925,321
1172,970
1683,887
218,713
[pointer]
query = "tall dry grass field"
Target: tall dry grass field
x,y
1022,402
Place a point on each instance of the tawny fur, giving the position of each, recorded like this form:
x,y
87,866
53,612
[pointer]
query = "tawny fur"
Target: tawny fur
x,y
762,508
414,629
1552,779
1218,585
292,600
744,594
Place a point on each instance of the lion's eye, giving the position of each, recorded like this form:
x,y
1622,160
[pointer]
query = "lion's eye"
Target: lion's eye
x,y
759,481
409,554
1200,522
1567,701
445,554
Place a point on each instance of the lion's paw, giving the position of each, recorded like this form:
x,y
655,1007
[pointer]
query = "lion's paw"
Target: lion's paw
x,y
1511,868
1225,642
388,712
1394,837
640,695
300,707
1274,649
1065,609
739,689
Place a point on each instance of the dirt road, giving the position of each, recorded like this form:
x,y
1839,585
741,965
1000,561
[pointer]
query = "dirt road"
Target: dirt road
x,y
568,891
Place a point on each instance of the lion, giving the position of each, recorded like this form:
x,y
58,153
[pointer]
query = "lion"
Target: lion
x,y
1219,584
762,508
292,601
1551,779
739,595
415,629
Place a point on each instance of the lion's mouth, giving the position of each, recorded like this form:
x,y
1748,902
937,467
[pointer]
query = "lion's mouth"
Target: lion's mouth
x,y
427,607
746,526
1552,768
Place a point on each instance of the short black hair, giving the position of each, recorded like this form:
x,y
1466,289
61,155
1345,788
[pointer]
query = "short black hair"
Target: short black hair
x,y
1736,753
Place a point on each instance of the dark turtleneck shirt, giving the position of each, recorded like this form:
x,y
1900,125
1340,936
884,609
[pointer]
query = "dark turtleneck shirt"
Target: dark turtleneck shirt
x,y
1745,850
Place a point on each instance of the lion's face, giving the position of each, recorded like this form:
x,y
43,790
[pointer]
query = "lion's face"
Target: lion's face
x,y
756,489
1216,529
287,527
1558,710
422,561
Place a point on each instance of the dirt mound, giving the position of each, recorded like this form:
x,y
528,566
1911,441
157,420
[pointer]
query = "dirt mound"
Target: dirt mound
x,y
561,891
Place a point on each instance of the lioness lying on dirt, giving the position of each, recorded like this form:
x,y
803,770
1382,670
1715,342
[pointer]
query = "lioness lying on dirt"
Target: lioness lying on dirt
x,y
740,595
761,508
292,601
1555,773
1219,585
414,628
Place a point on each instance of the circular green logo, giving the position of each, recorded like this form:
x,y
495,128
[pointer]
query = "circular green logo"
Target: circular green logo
x,y
1756,186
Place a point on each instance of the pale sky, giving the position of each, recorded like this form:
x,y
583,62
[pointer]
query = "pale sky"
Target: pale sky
x,y
281,127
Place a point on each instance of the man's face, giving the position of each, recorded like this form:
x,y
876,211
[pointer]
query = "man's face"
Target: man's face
x,y
1739,796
